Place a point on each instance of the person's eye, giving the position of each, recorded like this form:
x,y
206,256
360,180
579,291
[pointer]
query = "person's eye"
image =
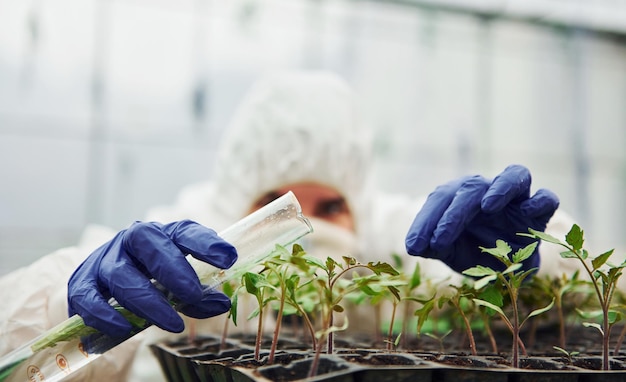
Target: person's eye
x,y
332,207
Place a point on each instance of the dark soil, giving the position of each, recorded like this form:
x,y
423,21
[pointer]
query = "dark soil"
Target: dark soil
x,y
434,360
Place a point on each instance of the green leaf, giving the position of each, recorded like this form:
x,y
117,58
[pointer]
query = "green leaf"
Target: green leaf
x,y
251,281
512,268
292,283
584,254
568,255
561,350
332,329
416,278
614,274
525,252
227,289
380,268
600,260
254,313
597,274
501,251
537,312
397,260
397,341
368,290
568,354
233,308
479,284
441,337
593,325
350,261
522,276
297,250
308,304
542,236
575,237
422,314
490,306
395,292
315,261
300,262
330,265
441,301
589,314
614,316
493,295
289,310
479,271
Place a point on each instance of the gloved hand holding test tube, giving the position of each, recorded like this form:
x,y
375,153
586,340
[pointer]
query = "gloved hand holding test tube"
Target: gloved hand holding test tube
x,y
71,345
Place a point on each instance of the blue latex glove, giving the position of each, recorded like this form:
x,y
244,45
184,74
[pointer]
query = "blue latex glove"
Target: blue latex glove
x,y
123,269
464,214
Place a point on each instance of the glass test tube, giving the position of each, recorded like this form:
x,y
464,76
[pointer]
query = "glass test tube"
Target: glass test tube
x,y
66,347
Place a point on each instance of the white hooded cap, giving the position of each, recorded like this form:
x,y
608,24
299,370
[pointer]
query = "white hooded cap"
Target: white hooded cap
x,y
293,127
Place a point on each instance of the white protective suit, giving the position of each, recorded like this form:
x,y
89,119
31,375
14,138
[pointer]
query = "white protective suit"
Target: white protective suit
x,y
290,128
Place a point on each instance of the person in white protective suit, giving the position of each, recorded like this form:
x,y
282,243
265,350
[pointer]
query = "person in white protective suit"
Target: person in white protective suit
x,y
293,131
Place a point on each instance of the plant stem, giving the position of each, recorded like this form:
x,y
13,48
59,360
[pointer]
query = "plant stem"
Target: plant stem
x,y
604,303
468,330
309,325
531,337
492,338
331,284
390,332
259,335
331,337
514,325
522,346
377,324
405,324
316,358
279,319
224,333
620,339
605,338
559,309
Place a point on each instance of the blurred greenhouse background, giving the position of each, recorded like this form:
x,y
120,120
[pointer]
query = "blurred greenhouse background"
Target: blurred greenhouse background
x,y
109,107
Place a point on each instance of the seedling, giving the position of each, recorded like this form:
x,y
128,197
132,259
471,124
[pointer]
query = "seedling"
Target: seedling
x,y
492,294
557,288
621,305
256,284
285,282
423,313
511,278
379,289
463,294
413,290
229,290
394,344
331,295
603,276
568,355
440,339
